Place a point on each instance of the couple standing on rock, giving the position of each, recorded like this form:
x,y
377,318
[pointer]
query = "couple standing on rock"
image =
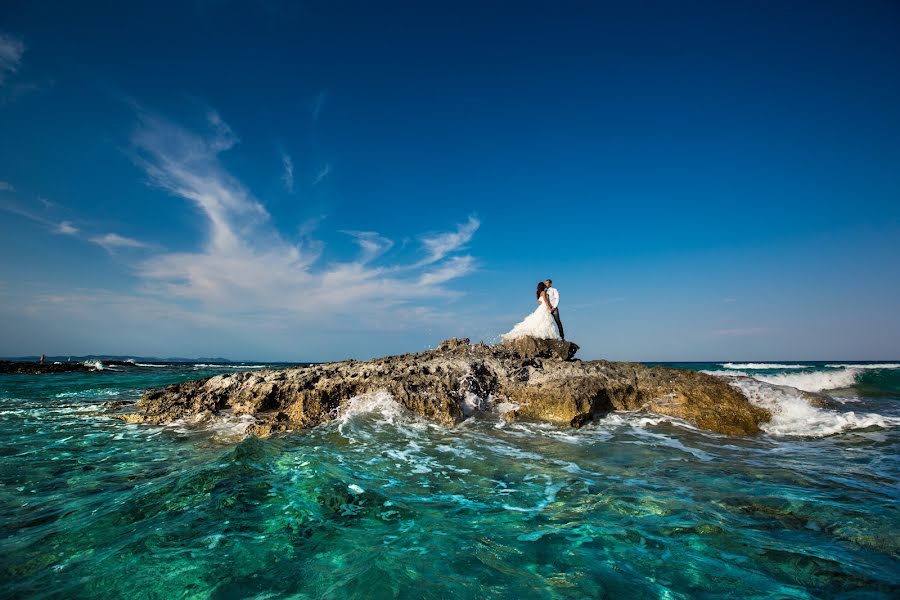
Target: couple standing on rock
x,y
544,322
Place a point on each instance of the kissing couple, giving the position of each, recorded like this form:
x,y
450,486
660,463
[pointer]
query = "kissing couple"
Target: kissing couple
x,y
544,322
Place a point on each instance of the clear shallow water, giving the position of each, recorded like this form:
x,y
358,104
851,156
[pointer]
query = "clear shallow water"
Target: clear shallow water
x,y
382,504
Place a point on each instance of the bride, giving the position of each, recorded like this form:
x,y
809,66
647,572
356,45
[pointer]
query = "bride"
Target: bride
x,y
539,324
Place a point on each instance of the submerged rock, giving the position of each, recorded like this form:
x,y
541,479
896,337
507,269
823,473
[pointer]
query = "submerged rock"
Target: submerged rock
x,y
526,378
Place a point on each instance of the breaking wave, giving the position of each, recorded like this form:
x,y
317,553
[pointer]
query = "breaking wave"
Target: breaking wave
x,y
815,381
793,415
868,366
761,366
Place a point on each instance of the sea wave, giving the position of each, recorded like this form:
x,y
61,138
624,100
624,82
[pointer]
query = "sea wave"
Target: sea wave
x,y
814,381
381,402
222,366
793,415
868,366
721,373
225,424
760,366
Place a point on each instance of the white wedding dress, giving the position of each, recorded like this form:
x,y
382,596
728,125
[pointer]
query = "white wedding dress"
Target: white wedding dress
x,y
539,324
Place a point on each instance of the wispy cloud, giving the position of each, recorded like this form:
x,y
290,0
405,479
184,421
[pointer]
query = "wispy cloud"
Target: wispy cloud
x,y
109,241
371,243
6,187
287,176
742,331
16,209
187,166
67,228
11,51
451,269
113,241
321,174
223,137
245,268
317,105
439,245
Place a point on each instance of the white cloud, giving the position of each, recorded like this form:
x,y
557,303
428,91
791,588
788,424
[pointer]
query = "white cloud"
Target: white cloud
x,y
11,51
224,137
371,243
23,212
6,187
440,245
322,174
67,228
245,269
451,269
110,241
187,165
288,175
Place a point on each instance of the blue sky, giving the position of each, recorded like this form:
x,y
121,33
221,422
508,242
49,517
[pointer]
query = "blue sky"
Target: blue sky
x,y
270,181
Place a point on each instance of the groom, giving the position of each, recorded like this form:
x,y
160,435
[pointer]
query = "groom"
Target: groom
x,y
553,297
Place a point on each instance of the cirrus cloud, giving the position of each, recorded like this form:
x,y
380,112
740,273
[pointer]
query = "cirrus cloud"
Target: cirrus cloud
x,y
11,51
245,268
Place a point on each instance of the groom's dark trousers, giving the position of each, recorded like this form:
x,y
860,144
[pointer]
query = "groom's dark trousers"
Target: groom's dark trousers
x,y
555,313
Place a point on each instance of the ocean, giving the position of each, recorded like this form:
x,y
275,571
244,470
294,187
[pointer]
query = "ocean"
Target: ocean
x,y
382,504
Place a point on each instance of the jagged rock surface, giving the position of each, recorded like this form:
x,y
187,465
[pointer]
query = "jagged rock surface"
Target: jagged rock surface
x,y
536,378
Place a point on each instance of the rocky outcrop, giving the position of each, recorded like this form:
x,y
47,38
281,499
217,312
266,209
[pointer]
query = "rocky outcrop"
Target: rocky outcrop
x,y
7,366
524,379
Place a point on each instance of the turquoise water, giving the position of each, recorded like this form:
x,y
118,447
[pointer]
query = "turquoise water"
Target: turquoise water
x,y
382,504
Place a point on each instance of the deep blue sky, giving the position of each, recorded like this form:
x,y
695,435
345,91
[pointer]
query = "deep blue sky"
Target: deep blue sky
x,y
703,181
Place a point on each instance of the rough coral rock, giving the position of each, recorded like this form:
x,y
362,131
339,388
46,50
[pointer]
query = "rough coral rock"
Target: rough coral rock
x,y
526,379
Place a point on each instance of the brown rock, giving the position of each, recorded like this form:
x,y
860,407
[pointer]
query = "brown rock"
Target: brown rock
x,y
537,376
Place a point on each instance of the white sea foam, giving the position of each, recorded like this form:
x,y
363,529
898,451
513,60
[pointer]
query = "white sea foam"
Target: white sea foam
x,y
868,366
830,377
551,489
94,364
90,393
725,373
754,366
473,403
137,364
232,425
814,381
792,415
214,366
381,402
224,424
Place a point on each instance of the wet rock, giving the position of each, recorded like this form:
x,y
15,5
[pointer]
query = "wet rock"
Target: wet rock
x,y
537,378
